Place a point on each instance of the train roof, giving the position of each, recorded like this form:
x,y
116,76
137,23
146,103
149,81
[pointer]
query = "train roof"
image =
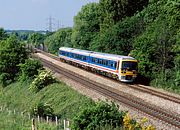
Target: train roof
x,y
97,54
78,51
66,49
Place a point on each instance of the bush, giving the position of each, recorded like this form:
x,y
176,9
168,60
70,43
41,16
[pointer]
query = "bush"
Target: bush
x,y
29,69
12,53
4,81
44,79
100,114
42,109
131,124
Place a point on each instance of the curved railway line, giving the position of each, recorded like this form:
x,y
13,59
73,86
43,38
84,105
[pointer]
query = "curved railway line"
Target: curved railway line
x,y
135,87
128,100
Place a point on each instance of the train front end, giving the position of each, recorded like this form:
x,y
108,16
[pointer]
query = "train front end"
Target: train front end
x,y
128,70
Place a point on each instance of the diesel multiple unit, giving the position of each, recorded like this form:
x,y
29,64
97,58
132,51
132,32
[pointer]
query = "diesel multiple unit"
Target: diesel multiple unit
x,y
123,68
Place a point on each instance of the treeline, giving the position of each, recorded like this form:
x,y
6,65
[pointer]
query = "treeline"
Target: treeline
x,y
149,30
40,94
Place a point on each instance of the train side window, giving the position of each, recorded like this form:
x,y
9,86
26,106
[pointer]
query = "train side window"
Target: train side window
x,y
115,64
100,61
92,59
84,58
104,62
109,63
112,64
70,54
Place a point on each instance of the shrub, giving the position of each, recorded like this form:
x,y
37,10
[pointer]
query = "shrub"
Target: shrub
x,y
4,80
12,53
42,109
100,114
29,69
42,80
131,124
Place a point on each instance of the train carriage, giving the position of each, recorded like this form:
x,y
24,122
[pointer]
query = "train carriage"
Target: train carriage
x,y
123,68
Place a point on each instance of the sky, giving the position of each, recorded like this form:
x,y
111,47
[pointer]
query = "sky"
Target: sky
x,y
35,14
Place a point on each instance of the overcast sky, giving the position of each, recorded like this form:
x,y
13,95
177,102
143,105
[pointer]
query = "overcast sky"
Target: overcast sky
x,y
34,14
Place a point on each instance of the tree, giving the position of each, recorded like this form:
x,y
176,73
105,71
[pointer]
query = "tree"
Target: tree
x,y
113,11
119,38
100,114
12,52
154,47
3,34
86,26
60,38
29,69
37,39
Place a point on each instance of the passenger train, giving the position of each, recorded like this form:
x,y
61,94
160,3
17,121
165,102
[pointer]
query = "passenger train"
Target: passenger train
x,y
123,68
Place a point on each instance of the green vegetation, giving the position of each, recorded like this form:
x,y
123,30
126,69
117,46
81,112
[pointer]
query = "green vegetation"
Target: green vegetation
x,y
101,114
64,101
29,69
43,79
60,38
149,30
12,53
14,121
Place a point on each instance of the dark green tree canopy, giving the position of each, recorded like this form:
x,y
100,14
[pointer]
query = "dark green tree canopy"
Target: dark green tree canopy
x,y
113,11
60,38
86,26
36,39
3,34
12,52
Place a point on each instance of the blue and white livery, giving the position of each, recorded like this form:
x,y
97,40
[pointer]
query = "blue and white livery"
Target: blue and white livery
x,y
123,68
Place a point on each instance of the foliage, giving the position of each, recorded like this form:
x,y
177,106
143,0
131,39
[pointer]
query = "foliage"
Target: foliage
x,y
3,34
100,114
154,48
18,121
12,53
60,38
131,124
37,39
113,11
86,26
119,38
65,101
43,79
42,110
29,69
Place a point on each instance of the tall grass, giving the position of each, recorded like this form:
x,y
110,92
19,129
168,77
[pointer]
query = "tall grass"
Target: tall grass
x,y
65,102
16,121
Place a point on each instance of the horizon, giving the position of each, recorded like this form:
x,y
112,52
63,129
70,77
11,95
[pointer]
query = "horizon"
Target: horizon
x,y
35,14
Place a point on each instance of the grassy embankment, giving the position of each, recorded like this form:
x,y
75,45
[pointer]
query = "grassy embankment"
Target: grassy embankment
x,y
65,102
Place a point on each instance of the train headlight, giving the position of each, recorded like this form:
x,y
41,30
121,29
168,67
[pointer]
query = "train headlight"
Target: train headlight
x,y
124,71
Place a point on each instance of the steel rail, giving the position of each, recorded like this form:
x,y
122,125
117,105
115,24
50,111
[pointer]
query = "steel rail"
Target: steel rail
x,y
128,100
135,87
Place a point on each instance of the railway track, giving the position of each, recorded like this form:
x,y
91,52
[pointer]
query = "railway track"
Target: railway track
x,y
135,87
156,93
128,100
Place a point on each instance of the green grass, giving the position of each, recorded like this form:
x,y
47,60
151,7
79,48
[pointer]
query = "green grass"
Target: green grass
x,y
16,121
65,101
